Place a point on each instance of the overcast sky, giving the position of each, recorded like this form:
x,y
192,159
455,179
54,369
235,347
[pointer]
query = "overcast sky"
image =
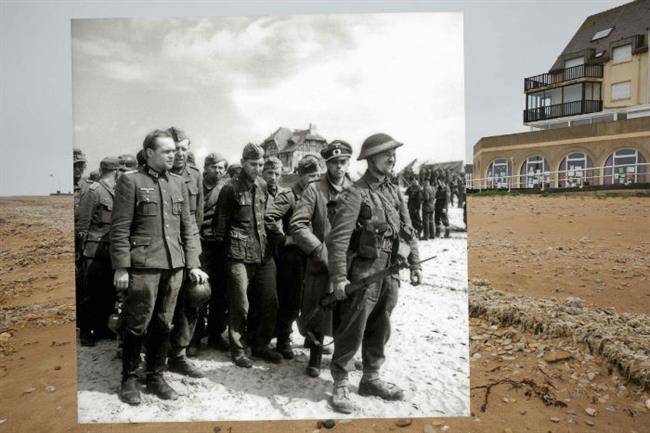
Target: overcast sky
x,y
229,81
503,43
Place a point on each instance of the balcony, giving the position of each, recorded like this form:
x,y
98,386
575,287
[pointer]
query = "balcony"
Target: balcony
x,y
561,110
562,76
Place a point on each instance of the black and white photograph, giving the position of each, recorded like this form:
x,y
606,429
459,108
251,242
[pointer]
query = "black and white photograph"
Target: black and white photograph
x,y
270,217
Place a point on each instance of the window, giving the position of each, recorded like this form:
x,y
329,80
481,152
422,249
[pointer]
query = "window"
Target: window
x,y
575,170
535,173
577,61
621,90
625,166
498,173
622,54
602,34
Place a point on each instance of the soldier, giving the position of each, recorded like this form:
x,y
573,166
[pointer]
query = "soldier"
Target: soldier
x,y
415,195
212,259
234,170
428,208
271,175
290,260
92,228
443,197
370,230
250,269
309,226
152,244
81,185
94,176
140,157
186,315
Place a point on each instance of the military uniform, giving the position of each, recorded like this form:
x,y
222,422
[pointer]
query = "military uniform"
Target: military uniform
x,y
250,270
152,235
428,209
415,198
290,262
186,317
443,198
93,226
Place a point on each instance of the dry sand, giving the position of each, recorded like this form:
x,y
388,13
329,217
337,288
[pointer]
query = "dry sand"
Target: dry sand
x,y
39,352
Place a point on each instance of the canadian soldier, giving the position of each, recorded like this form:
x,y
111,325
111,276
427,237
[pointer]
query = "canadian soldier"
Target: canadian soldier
x,y
153,245
290,259
371,230
93,226
250,269
310,226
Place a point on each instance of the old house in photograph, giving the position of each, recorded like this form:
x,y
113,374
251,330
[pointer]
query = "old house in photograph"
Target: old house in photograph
x,y
589,115
291,145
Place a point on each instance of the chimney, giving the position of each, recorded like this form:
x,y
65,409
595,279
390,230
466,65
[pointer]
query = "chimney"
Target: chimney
x,y
312,128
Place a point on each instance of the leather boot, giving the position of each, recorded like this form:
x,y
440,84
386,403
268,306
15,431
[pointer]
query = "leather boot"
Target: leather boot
x,y
380,388
131,348
284,347
341,401
156,356
315,358
447,232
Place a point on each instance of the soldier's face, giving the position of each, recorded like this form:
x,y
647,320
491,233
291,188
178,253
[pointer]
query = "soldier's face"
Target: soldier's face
x,y
180,156
252,167
271,176
384,162
162,156
79,168
337,167
216,171
308,178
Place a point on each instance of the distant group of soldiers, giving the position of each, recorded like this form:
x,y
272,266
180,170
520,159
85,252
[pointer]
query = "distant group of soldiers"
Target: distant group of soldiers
x,y
429,202
168,256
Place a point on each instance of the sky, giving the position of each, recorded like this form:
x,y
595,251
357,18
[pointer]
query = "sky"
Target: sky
x,y
503,42
230,81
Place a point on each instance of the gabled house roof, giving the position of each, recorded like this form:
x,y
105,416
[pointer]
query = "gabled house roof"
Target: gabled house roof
x,y
299,137
625,22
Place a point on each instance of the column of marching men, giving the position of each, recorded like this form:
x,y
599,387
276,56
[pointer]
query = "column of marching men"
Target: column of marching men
x,y
169,257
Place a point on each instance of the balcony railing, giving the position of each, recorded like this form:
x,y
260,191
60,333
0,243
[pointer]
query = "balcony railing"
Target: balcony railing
x,y
562,110
568,74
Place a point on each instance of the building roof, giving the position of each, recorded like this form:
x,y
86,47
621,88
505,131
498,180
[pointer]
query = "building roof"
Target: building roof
x,y
280,137
299,137
625,21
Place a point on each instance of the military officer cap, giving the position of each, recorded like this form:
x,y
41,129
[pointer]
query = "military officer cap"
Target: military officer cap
x,y
78,156
273,163
127,162
253,151
213,158
336,149
377,143
177,134
109,164
308,164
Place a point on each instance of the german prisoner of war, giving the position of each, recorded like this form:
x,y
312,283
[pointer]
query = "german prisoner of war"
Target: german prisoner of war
x,y
230,256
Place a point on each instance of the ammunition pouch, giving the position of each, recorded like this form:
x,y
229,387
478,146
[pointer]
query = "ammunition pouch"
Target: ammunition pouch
x,y
371,239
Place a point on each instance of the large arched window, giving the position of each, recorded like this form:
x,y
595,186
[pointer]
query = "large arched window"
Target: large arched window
x,y
622,167
534,172
498,174
576,169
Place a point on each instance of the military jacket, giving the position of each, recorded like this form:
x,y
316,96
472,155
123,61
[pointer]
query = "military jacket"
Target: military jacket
x,y
239,219
279,213
94,220
79,190
151,224
429,194
415,196
210,194
370,217
443,196
194,183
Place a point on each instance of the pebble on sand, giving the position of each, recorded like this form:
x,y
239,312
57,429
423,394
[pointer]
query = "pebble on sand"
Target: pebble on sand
x,y
403,422
591,411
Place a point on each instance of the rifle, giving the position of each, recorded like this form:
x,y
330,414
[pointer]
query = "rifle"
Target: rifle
x,y
329,300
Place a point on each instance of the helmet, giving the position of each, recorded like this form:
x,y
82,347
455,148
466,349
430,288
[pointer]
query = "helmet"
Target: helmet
x,y
377,143
197,294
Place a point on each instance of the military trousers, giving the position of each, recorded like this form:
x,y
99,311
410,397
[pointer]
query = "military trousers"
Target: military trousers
x,y
97,297
416,220
429,226
441,216
151,299
213,260
363,320
291,275
251,285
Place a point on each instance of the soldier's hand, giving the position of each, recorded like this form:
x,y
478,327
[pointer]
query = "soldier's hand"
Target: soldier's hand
x,y
416,277
121,279
339,290
198,275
